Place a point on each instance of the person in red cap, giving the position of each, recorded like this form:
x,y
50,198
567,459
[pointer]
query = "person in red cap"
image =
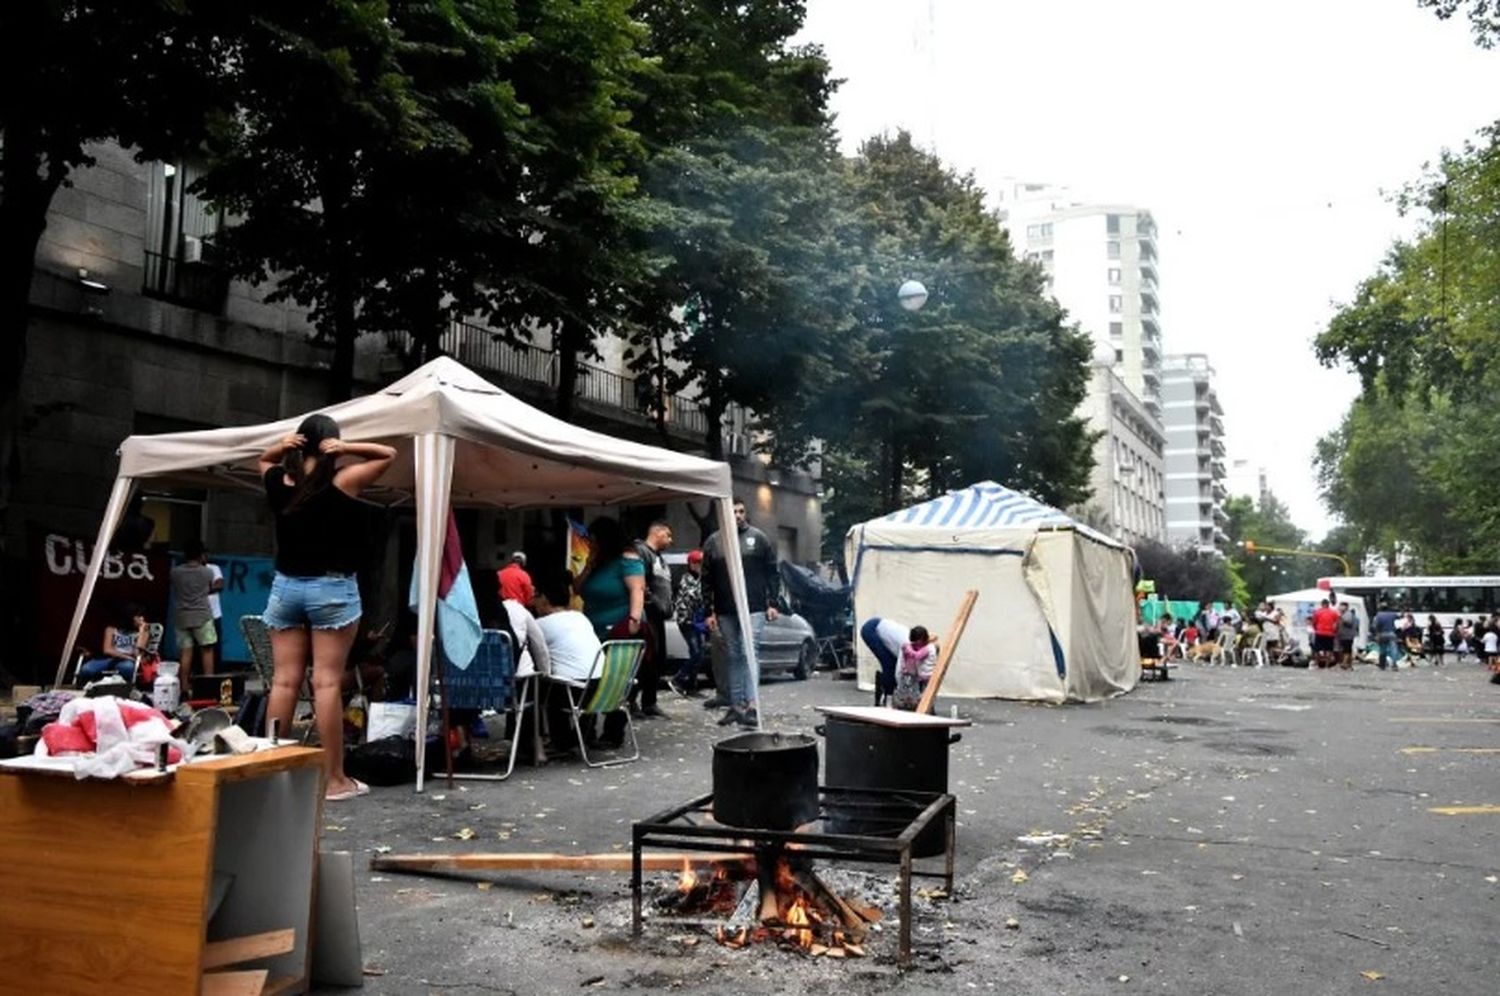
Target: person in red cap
x,y
688,611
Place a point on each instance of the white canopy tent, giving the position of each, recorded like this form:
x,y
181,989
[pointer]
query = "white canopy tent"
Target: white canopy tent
x,y
1298,606
459,440
1055,619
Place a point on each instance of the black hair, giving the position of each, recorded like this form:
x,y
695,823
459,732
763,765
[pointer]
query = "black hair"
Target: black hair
x,y
194,549
655,523
607,538
918,634
556,587
313,430
128,612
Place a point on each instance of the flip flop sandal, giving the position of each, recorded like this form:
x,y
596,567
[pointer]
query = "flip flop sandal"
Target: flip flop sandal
x,y
360,788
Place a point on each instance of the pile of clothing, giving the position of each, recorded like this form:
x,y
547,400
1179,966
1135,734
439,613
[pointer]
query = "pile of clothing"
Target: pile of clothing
x,y
110,736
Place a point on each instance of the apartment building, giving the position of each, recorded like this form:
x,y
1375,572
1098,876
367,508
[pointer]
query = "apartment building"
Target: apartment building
x,y
1102,265
1196,476
1128,500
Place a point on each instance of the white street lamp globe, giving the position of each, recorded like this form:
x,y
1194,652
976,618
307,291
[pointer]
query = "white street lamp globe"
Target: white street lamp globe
x,y
1104,355
912,295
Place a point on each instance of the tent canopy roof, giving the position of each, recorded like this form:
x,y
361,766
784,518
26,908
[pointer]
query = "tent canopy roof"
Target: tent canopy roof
x,y
988,506
508,454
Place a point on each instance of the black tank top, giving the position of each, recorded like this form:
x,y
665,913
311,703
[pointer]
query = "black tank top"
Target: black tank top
x,y
326,534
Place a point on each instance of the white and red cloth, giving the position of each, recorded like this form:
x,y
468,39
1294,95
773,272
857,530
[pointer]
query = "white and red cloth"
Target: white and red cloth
x,y
109,736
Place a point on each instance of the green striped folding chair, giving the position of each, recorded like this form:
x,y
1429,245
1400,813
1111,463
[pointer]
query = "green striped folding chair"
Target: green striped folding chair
x,y
606,689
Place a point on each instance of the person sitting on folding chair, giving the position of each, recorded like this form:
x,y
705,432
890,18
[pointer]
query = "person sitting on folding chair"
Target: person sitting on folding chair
x,y
125,640
572,646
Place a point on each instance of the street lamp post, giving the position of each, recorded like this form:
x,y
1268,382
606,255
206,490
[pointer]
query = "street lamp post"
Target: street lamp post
x,y
1251,546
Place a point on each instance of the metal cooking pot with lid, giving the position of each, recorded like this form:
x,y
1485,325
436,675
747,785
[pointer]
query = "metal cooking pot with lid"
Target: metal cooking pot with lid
x,y
766,781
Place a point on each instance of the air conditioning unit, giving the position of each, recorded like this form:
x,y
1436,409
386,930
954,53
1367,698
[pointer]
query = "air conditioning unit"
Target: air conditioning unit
x,y
739,444
192,249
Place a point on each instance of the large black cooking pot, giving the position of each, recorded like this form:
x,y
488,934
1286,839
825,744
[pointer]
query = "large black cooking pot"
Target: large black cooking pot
x,y
766,781
866,755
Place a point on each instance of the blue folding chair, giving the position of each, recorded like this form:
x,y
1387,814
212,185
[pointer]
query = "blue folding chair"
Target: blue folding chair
x,y
489,682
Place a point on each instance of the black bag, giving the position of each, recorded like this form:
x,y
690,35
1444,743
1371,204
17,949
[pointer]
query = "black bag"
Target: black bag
x,y
251,716
391,760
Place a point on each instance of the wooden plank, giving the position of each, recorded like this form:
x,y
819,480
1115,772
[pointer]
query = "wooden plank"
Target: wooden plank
x,y
282,984
887,716
541,861
248,983
218,954
945,652
258,764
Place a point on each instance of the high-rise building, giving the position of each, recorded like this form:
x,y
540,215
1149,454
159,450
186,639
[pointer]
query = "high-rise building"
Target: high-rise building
x,y
1196,475
1101,264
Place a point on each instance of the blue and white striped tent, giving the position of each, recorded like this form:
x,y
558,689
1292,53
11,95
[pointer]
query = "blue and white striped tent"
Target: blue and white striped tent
x,y
988,505
1055,619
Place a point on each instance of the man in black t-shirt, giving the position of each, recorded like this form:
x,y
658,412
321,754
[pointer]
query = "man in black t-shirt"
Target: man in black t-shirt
x,y
658,610
762,592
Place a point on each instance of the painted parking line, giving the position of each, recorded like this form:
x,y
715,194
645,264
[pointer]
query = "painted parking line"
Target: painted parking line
x,y
1450,750
1465,810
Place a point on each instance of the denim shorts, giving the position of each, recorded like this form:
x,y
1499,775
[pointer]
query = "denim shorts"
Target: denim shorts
x,y
327,602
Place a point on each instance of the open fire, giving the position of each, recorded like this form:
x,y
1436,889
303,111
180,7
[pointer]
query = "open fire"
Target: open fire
x,y
776,899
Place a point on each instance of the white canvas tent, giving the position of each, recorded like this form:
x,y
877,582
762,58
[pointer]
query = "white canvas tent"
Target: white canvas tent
x,y
1055,620
459,440
1298,607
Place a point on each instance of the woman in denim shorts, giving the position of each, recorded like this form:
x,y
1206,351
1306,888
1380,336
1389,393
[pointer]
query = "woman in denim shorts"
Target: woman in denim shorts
x,y
314,607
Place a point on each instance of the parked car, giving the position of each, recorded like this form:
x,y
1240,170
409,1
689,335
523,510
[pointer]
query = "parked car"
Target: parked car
x,y
787,644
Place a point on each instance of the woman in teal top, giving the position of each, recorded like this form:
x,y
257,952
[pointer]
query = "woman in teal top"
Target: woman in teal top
x,y
613,585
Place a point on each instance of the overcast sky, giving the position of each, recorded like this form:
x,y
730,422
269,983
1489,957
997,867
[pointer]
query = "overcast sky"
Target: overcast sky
x,y
1260,135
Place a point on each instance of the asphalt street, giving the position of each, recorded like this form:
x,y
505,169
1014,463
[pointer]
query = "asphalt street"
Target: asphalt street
x,y
1228,831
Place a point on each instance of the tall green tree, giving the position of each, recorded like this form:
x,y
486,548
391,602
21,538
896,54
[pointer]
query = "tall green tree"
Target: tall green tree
x,y
982,383
451,204
743,173
580,265
321,103
1423,333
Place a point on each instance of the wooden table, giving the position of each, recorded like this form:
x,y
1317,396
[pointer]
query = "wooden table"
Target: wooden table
x,y
108,884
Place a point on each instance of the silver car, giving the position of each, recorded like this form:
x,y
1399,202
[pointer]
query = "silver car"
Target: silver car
x,y
787,643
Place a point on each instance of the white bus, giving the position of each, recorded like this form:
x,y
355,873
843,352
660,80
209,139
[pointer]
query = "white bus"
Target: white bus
x,y
1449,598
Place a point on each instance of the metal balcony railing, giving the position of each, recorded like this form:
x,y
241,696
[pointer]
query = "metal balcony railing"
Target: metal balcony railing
x,y
194,285
478,348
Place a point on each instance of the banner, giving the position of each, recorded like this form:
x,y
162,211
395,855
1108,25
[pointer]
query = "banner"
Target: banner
x,y
576,558
56,564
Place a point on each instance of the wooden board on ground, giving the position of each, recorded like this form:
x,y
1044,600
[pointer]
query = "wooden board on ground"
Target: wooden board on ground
x,y
540,861
945,652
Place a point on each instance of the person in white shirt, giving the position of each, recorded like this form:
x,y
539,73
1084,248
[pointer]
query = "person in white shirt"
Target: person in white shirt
x,y
532,657
572,645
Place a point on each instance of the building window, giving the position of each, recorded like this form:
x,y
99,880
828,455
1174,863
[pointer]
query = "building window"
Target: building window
x,y
1114,276
1112,224
1115,305
1046,255
1039,231
1116,330
1119,356
1112,248
178,225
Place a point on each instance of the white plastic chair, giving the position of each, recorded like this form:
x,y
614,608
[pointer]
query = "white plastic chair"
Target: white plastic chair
x,y
1255,654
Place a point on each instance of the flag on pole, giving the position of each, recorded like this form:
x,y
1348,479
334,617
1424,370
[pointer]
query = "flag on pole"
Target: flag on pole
x,y
457,622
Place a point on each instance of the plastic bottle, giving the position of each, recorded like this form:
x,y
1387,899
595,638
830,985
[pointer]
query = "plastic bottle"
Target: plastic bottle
x,y
166,691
